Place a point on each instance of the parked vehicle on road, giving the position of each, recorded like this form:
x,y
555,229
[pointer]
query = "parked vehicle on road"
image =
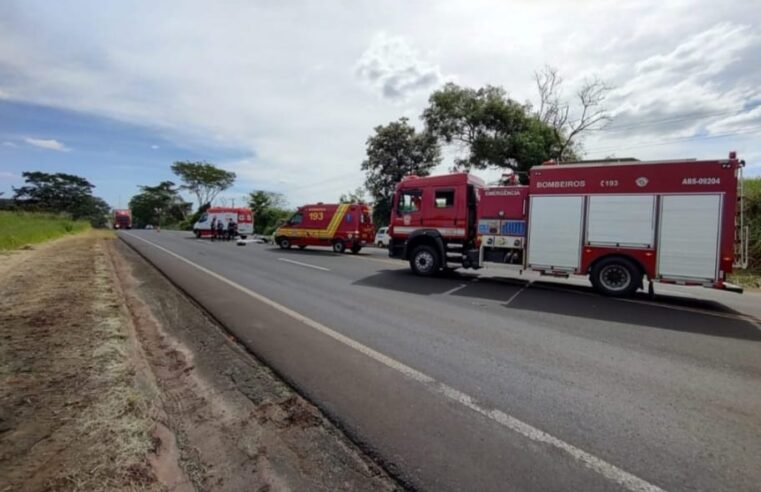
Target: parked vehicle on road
x,y
345,226
382,237
677,222
243,217
122,218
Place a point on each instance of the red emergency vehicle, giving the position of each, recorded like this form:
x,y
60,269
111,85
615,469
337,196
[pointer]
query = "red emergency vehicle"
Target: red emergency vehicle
x,y
617,222
341,226
243,218
122,218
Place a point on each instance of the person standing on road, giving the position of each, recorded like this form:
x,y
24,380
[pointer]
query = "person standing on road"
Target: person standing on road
x,y
213,228
230,229
220,230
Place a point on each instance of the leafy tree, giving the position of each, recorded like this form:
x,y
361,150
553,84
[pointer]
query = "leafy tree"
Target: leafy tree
x,y
269,210
95,210
394,151
356,196
202,179
159,205
62,193
54,192
495,130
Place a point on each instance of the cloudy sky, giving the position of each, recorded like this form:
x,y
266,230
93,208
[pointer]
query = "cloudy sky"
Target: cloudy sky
x,y
286,93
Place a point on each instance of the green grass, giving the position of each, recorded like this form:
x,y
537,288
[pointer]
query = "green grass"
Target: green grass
x,y
752,276
20,228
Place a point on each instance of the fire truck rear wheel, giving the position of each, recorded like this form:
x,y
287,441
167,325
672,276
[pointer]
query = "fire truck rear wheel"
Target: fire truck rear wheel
x,y
339,247
616,277
424,261
284,243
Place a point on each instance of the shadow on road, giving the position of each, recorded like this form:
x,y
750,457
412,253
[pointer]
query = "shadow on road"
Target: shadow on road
x,y
665,312
312,251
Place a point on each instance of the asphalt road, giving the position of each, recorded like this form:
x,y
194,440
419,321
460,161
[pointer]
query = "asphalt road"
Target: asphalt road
x,y
491,382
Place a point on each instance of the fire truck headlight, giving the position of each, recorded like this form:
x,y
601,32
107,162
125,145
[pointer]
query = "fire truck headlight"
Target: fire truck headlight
x,y
351,236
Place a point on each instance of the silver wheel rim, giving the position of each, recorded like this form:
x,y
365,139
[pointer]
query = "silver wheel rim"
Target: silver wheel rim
x,y
615,277
424,261
284,243
338,247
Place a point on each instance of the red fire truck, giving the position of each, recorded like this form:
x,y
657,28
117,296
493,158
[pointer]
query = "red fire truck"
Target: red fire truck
x,y
341,226
672,221
122,219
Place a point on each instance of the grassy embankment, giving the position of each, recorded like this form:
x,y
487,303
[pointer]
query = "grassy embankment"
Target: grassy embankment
x,y
20,228
752,276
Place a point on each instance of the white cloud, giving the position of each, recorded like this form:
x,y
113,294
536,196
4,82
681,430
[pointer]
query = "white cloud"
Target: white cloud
x,y
9,144
49,144
288,83
154,147
394,69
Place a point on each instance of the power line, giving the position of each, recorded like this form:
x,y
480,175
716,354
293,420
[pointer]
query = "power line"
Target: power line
x,y
340,177
675,119
747,131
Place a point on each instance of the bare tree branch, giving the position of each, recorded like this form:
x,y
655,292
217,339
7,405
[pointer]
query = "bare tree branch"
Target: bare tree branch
x,y
552,111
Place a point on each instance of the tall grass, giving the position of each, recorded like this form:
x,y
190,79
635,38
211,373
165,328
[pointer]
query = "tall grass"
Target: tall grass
x,y
753,219
20,228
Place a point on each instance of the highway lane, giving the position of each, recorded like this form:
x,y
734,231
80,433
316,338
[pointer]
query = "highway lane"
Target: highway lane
x,y
668,393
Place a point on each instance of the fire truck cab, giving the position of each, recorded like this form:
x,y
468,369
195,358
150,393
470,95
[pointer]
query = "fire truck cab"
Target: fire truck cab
x,y
617,222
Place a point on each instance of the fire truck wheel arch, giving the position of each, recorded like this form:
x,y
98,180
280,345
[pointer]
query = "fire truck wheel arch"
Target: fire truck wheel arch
x,y
427,237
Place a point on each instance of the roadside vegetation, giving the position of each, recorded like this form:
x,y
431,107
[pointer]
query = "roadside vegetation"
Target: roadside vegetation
x,y
77,406
18,229
751,277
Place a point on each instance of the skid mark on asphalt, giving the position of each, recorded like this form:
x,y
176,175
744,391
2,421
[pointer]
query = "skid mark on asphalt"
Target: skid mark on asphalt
x,y
308,265
607,470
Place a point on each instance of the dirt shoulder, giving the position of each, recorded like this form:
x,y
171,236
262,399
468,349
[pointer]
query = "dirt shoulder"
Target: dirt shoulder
x,y
110,378
71,415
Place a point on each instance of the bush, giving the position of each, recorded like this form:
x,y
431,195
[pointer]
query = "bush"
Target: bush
x,y
753,220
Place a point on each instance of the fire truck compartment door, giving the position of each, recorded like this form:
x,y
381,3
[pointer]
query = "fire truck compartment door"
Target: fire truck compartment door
x,y
554,239
689,236
621,220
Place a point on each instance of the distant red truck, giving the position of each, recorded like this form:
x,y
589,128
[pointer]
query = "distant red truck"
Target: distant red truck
x,y
122,218
345,226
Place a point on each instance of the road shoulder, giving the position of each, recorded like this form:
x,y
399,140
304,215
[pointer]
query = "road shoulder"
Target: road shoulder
x,y
235,423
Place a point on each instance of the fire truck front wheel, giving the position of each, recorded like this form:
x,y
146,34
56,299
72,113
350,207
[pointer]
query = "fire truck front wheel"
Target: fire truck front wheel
x,y
424,261
339,246
616,276
284,243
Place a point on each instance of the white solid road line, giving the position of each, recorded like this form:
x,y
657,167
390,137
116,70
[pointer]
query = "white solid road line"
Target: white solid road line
x,y
304,264
512,298
607,470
